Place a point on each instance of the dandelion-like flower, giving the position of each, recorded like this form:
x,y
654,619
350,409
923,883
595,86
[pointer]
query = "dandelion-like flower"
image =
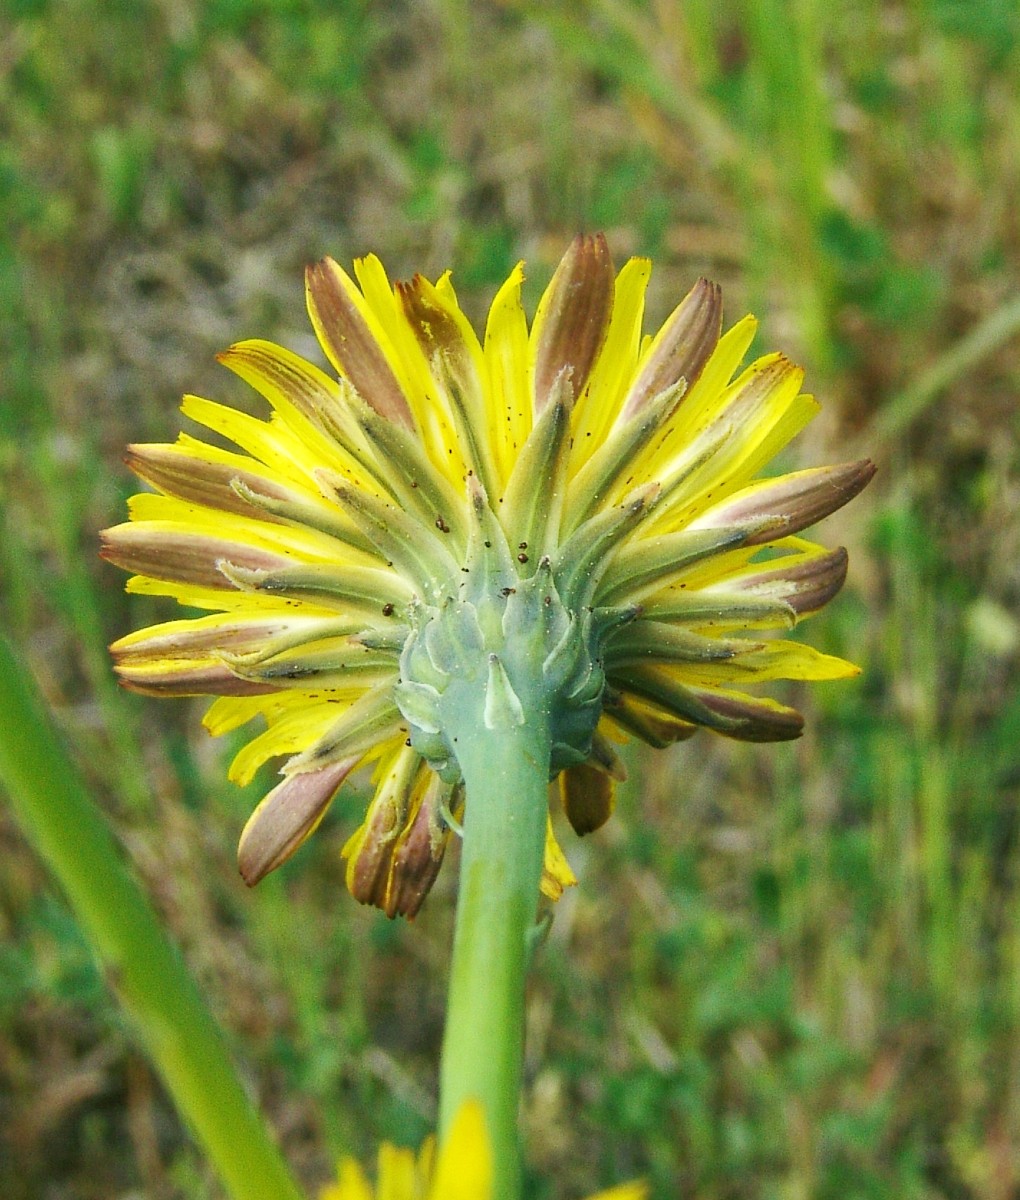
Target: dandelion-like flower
x,y
462,1170
567,516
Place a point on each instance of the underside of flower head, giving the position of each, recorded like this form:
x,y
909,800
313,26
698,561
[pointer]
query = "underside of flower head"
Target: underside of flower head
x,y
569,515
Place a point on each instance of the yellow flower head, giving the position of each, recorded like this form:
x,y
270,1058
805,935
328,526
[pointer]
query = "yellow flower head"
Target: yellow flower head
x,y
462,1171
366,542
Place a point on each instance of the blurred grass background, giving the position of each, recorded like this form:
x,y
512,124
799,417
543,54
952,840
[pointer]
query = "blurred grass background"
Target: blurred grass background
x,y
789,972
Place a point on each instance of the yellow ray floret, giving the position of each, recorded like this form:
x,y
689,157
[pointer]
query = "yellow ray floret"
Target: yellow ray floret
x,y
461,1170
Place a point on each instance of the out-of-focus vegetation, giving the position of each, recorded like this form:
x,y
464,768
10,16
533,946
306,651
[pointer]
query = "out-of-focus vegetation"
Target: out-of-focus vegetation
x,y
788,972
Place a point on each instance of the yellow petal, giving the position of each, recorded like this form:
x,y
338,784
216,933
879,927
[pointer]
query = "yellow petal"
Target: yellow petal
x,y
556,873
701,399
794,660
625,1191
457,367
598,408
721,568
395,336
464,1168
413,369
351,1183
773,660
310,405
718,457
801,412
301,541
269,442
355,343
681,348
195,596
398,1174
506,360
231,712
290,733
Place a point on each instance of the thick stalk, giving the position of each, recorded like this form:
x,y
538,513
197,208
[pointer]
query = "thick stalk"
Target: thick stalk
x,y
63,823
506,773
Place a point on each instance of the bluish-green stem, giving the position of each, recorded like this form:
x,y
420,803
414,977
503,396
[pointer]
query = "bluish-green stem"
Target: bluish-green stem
x,y
147,973
506,773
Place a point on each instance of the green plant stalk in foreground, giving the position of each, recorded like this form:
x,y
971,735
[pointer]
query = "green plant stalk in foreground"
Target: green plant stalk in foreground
x,y
144,969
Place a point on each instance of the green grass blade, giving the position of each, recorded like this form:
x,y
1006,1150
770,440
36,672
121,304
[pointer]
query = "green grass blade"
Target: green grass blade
x,y
66,828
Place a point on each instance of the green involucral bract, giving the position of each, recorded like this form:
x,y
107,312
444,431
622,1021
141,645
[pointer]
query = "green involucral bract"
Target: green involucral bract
x,y
496,656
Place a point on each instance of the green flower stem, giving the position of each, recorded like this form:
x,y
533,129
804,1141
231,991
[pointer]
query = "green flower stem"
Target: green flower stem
x,y
506,773
62,821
